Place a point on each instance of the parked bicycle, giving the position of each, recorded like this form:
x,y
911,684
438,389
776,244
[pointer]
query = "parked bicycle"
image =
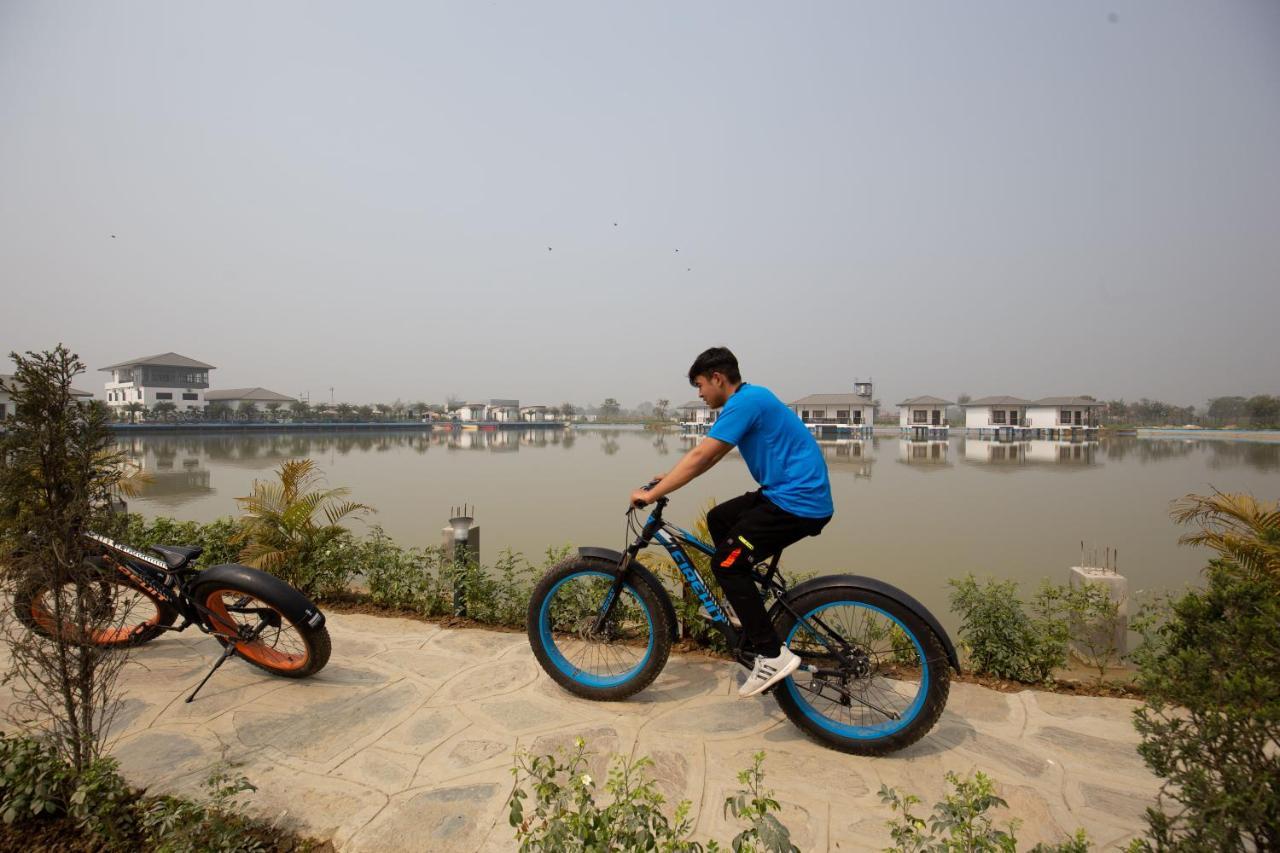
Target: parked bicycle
x,y
140,595
876,663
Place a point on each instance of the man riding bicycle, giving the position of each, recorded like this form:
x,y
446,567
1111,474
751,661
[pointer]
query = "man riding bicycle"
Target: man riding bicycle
x,y
793,501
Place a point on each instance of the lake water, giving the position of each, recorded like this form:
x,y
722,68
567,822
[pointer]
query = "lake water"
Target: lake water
x,y
913,514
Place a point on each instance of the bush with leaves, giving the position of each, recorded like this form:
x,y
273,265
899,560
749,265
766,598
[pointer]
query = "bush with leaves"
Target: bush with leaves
x,y
34,780
960,823
1210,669
171,825
1002,638
563,815
292,526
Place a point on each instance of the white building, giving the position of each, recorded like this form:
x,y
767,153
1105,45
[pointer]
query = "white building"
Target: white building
x,y
998,417
472,412
856,411
924,418
259,397
504,411
167,377
534,414
7,406
697,415
1054,416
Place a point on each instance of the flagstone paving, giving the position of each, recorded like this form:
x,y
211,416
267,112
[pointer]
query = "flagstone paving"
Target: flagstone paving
x,y
405,742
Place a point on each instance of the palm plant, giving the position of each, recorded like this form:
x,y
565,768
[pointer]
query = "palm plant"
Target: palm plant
x,y
1238,526
248,410
289,523
217,411
299,409
274,408
164,408
133,409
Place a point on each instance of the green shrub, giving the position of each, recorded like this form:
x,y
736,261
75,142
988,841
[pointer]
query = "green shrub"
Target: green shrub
x,y
1002,638
1210,669
960,823
101,804
214,536
171,825
35,779
563,815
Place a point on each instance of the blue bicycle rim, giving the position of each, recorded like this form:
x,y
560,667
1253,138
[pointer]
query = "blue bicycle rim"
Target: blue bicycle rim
x,y
563,664
879,730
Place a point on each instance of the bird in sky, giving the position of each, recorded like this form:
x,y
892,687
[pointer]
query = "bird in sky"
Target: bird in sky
x,y
548,248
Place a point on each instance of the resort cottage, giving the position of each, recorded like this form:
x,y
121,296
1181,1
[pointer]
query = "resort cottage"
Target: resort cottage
x,y
7,406
472,412
924,418
1002,418
696,415
504,411
854,412
239,399
1064,417
167,377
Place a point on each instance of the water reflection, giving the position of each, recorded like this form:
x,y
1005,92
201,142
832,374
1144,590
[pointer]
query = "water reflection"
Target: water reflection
x,y
1012,455
850,456
925,455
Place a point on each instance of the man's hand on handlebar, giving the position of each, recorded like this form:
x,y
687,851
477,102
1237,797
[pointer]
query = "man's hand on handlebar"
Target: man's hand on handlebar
x,y
641,497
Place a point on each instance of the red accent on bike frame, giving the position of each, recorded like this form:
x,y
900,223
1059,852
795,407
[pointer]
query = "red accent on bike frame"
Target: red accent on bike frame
x,y
733,555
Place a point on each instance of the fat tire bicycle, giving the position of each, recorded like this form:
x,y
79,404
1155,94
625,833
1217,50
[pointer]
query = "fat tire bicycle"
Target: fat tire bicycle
x,y
876,664
137,596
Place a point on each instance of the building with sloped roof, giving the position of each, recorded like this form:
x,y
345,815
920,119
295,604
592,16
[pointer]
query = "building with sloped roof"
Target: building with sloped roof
x,y
924,417
167,377
261,398
844,411
7,406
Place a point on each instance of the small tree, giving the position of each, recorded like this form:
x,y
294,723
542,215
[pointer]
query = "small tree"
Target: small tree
x,y
247,410
281,532
660,409
299,410
217,411
273,409
57,471
134,409
164,409
1211,722
609,409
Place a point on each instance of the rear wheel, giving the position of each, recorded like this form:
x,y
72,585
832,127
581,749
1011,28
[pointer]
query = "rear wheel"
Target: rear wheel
x,y
116,612
610,662
889,689
263,635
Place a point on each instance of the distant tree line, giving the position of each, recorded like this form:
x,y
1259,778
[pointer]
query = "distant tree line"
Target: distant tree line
x,y
1260,411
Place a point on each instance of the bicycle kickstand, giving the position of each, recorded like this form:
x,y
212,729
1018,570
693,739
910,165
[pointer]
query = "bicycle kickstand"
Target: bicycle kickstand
x,y
227,652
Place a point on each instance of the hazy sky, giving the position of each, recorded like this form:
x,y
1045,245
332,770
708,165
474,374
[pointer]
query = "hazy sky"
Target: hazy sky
x,y
1014,197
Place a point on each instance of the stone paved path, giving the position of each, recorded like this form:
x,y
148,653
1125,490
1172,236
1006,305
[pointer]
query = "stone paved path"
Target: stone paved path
x,y
404,742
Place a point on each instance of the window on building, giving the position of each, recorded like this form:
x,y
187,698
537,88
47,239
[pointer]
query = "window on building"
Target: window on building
x,y
997,416
164,395
842,414
857,416
819,413
920,416
804,413
191,396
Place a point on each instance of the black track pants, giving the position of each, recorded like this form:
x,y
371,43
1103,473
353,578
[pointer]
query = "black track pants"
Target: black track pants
x,y
745,531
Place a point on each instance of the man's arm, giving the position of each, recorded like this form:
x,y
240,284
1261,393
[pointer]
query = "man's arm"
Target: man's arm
x,y
704,455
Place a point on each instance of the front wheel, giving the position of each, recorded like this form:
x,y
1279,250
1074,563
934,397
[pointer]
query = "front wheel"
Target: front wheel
x,y
605,662
116,612
885,689
252,613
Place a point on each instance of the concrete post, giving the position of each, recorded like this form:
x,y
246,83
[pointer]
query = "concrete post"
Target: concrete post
x,y
1117,586
462,549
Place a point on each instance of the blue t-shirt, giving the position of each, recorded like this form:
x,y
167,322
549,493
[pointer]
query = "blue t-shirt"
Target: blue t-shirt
x,y
779,451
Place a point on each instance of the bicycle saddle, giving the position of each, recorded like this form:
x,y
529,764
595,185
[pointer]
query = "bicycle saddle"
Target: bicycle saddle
x,y
177,556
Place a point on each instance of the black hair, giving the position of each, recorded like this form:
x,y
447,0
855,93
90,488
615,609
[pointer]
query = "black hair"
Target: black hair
x,y
715,360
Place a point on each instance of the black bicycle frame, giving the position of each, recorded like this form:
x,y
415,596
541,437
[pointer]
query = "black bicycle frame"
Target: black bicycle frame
x,y
153,576
673,539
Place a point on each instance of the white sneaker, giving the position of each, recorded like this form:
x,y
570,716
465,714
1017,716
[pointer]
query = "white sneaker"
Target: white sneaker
x,y
768,672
